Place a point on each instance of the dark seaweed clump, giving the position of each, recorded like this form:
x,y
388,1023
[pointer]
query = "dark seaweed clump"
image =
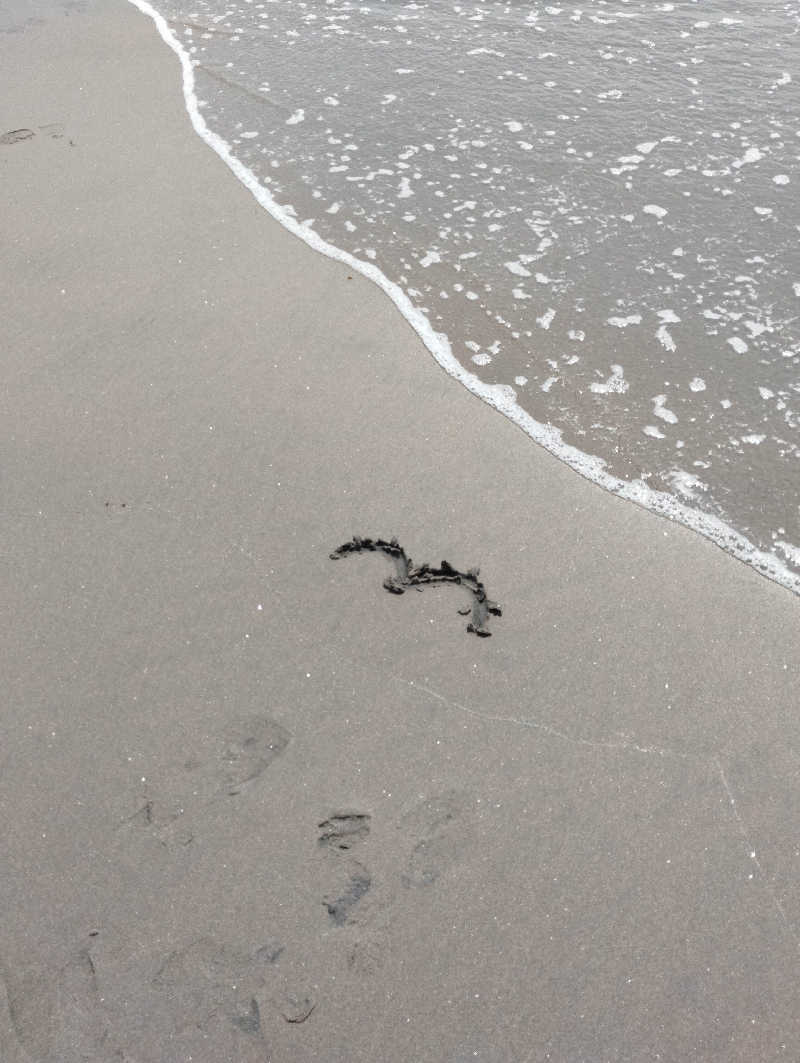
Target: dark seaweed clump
x,y
410,575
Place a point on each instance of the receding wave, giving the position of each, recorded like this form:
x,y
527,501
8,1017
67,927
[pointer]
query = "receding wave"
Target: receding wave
x,y
585,213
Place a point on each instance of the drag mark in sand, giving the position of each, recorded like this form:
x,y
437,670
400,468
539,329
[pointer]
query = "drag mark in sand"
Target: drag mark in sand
x,y
538,725
752,852
410,575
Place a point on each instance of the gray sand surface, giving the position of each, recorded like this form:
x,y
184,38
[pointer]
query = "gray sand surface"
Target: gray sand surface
x,y
256,808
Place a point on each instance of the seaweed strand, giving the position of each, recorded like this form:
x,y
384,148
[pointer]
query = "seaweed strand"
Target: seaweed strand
x,y
407,574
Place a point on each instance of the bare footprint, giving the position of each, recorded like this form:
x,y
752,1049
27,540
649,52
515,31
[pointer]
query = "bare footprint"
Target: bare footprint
x,y
343,830
350,879
342,900
230,764
56,1015
221,998
294,1005
243,753
210,981
436,827
14,136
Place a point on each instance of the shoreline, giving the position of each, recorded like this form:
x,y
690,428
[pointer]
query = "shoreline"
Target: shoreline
x,y
256,806
501,397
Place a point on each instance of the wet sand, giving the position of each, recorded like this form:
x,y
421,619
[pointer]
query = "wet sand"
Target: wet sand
x,y
254,806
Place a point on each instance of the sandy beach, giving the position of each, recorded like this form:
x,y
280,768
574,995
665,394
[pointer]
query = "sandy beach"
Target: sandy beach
x,y
256,808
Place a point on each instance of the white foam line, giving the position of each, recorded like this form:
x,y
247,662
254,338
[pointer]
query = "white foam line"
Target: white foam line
x,y
500,397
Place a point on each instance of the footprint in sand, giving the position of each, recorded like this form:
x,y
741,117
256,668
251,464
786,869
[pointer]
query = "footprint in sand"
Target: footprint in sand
x,y
221,997
232,762
247,750
340,902
434,834
55,1014
212,988
14,136
338,835
343,830
353,903
437,828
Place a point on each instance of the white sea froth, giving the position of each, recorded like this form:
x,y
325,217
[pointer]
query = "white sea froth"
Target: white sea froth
x,y
660,410
664,337
615,384
623,322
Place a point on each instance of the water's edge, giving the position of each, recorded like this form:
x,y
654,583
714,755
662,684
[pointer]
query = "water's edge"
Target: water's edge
x,y
502,398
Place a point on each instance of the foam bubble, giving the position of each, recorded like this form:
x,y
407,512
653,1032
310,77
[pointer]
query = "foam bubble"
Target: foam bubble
x,y
623,322
517,269
614,384
660,410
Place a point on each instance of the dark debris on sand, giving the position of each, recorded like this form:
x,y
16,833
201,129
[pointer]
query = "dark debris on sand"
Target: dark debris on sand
x,y
410,575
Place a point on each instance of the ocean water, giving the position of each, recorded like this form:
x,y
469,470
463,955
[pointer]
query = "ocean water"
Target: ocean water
x,y
596,206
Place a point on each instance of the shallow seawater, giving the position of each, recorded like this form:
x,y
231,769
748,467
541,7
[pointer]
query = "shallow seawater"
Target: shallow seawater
x,y
597,203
